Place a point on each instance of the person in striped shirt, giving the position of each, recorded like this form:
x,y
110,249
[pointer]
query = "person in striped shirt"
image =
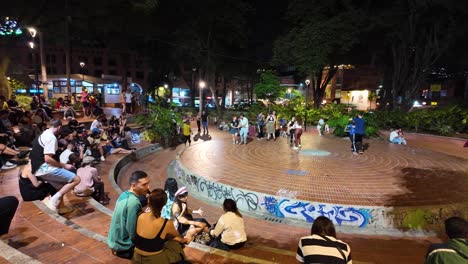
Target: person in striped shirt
x,y
322,246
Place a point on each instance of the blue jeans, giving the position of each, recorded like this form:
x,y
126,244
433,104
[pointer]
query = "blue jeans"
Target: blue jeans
x,y
205,125
399,140
243,134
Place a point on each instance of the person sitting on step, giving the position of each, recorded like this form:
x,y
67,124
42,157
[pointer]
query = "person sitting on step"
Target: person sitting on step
x,y
229,231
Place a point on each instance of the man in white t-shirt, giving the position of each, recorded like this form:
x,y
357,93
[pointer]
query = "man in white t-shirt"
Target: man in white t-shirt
x,y
64,157
45,166
396,137
128,101
244,128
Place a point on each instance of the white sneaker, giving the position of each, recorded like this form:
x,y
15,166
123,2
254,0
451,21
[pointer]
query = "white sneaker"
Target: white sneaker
x,y
295,148
8,165
49,204
102,158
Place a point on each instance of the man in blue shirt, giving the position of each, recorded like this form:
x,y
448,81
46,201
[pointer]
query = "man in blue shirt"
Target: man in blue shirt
x,y
123,223
359,132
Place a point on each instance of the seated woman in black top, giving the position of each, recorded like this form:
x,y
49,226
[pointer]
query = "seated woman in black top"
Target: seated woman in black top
x,y
156,240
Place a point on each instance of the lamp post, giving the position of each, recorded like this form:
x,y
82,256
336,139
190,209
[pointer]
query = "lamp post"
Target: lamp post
x,y
32,45
82,65
307,82
201,85
192,90
349,96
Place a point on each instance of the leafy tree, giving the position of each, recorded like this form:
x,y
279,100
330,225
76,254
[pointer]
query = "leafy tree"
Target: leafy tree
x,y
268,86
320,34
161,122
211,38
416,33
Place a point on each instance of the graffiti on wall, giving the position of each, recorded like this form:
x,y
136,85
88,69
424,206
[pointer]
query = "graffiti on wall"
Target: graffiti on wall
x,y
341,215
216,191
278,206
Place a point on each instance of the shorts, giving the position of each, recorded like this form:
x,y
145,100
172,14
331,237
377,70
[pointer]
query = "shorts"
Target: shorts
x,y
233,131
85,104
58,177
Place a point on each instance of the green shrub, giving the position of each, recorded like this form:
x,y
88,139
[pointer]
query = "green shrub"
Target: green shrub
x,y
339,125
24,101
160,124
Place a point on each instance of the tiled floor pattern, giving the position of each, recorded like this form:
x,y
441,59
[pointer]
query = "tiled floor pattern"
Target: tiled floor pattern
x,y
41,237
385,175
366,249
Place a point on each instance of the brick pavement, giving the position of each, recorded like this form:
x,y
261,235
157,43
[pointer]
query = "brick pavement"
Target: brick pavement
x,y
385,175
408,171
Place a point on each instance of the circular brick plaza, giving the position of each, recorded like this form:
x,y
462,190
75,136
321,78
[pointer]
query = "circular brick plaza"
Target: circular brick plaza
x,y
326,171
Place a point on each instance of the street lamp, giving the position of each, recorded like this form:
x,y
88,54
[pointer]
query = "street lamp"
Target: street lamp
x,y
307,82
201,85
192,87
349,96
82,65
32,45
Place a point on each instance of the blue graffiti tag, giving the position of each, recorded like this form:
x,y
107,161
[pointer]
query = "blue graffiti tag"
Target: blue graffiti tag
x,y
339,214
272,206
303,206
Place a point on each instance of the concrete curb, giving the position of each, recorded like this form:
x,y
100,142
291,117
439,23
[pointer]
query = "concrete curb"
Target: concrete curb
x,y
15,256
215,191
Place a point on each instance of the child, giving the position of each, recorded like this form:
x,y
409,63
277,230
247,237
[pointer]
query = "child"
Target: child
x,y
91,183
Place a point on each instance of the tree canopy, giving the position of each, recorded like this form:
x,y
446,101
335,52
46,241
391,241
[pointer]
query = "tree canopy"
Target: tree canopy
x,y
320,34
268,86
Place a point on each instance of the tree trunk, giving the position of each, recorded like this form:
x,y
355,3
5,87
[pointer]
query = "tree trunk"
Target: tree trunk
x,y
319,85
67,49
43,64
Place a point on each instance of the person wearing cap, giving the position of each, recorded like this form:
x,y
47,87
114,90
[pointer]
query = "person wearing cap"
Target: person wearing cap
x,y
244,128
123,224
183,220
91,183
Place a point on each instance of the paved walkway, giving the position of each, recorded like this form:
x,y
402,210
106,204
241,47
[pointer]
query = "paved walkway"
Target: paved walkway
x,y
325,170
401,179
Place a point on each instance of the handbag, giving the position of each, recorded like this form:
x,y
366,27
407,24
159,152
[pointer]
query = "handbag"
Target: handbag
x,y
203,238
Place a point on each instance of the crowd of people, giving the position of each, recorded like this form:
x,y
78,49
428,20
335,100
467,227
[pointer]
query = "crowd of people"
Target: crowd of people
x,y
130,101
152,226
61,155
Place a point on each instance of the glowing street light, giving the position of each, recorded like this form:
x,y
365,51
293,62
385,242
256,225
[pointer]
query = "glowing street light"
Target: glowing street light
x,y
32,45
201,85
307,82
82,65
32,31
